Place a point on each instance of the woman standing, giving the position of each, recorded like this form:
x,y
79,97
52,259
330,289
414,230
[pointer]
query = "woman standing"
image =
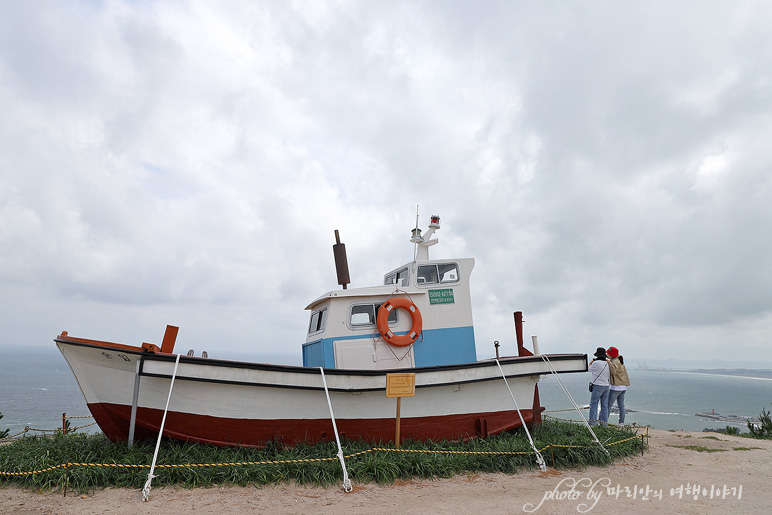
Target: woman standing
x,y
619,382
599,371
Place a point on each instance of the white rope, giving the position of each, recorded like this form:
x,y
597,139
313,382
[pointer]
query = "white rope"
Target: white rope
x,y
539,458
150,476
346,481
570,398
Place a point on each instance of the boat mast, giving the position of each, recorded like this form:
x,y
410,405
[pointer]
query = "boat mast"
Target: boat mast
x,y
416,238
422,243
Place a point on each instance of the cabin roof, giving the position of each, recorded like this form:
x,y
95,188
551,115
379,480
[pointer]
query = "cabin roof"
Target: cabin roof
x,y
388,289
369,291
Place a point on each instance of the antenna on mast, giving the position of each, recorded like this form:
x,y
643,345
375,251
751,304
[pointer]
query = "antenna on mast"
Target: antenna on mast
x,y
422,243
416,238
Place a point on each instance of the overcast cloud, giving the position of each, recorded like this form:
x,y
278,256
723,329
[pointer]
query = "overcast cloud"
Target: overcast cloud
x,y
186,162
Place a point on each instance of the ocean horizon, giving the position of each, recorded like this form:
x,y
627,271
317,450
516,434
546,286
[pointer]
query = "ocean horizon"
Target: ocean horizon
x,y
37,387
671,398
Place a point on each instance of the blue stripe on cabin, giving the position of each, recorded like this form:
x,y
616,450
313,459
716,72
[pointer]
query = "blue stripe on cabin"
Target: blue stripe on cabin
x,y
319,354
448,346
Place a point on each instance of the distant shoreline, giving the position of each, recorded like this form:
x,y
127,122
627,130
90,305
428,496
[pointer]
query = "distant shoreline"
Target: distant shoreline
x,y
734,372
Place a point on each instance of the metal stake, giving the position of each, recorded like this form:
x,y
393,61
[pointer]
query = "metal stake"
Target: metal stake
x,y
134,402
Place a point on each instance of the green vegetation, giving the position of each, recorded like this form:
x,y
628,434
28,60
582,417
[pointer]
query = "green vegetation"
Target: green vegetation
x,y
764,427
698,448
383,466
66,429
728,430
3,432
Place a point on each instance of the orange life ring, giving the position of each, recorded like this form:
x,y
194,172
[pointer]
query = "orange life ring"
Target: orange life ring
x,y
382,323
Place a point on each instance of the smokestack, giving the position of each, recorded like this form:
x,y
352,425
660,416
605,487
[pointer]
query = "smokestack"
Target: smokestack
x,y
341,263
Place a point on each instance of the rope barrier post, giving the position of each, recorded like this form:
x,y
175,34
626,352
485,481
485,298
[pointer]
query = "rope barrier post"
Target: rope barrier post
x,y
66,477
64,423
539,458
396,435
134,402
150,476
346,481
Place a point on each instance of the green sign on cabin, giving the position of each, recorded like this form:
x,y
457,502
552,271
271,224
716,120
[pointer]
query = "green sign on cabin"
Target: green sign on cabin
x,y
444,296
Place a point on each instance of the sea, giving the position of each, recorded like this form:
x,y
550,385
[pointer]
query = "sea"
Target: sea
x,y
37,387
669,399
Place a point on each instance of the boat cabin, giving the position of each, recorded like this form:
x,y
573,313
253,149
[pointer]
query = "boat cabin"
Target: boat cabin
x,y
426,319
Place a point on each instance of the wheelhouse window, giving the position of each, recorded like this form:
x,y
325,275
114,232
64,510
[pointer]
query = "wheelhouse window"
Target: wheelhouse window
x,y
318,320
448,272
400,277
365,315
437,274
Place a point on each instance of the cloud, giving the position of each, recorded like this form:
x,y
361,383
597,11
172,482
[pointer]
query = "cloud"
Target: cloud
x,y
186,163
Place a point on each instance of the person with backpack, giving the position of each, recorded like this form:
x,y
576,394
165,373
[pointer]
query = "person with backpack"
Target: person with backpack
x,y
599,387
619,381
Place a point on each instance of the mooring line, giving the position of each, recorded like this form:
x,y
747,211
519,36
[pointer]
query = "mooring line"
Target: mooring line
x,y
539,458
150,476
346,481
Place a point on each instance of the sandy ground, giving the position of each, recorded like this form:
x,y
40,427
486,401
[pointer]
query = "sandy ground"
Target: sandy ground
x,y
735,480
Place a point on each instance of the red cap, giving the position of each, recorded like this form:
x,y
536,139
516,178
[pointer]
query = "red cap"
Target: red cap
x,y
613,352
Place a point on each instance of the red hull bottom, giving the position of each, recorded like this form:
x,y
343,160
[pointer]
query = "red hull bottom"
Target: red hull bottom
x,y
113,419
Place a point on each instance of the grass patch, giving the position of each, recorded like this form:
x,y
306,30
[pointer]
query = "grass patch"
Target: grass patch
x,y
698,448
711,438
3,432
563,445
747,448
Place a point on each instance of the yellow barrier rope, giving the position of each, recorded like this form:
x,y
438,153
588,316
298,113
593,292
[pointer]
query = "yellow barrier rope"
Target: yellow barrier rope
x,y
28,429
64,417
279,462
631,426
386,449
63,465
9,438
69,430
306,460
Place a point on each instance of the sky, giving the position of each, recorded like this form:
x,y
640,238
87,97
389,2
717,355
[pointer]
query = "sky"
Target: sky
x,y
606,163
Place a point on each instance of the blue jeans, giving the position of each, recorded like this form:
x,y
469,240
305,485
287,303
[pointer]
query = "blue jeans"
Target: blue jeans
x,y
599,396
618,396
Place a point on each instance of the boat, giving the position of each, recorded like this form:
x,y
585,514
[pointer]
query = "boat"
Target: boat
x,y
417,325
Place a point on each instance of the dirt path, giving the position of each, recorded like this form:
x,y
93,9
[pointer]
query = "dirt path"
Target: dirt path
x,y
671,463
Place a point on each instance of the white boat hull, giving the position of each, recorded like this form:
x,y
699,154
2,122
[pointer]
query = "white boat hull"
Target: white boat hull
x,y
237,403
